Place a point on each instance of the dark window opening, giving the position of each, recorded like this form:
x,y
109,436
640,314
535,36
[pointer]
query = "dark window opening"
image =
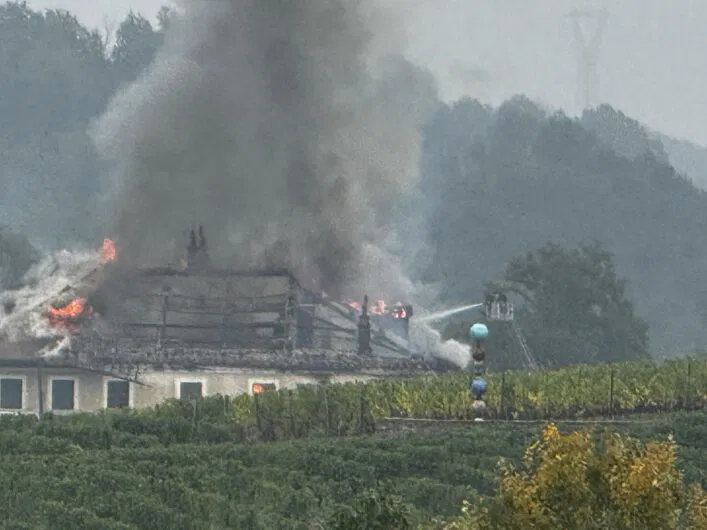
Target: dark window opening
x,y
117,394
191,390
11,393
63,394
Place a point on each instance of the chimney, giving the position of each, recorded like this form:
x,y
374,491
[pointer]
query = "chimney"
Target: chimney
x,y
192,248
197,253
364,329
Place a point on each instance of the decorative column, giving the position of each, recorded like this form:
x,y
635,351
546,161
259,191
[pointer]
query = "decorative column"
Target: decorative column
x,y
478,333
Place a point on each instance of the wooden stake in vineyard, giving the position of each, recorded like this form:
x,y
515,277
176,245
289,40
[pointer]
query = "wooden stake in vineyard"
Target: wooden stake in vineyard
x,y
478,333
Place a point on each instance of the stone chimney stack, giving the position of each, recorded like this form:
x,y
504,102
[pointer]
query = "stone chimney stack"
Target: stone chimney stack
x,y
364,329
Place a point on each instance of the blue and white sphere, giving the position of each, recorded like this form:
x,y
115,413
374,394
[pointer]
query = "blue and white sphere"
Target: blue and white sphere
x,y
478,331
478,387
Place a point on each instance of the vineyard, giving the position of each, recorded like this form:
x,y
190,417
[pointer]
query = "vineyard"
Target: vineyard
x,y
181,466
118,471
568,393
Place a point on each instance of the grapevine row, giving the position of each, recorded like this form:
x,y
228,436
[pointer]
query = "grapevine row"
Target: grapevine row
x,y
573,392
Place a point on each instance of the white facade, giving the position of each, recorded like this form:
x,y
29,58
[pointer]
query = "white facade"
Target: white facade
x,y
66,390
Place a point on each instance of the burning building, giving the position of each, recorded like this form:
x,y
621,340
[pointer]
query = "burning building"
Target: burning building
x,y
136,337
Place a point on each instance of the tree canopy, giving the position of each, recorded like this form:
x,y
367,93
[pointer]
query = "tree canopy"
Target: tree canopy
x,y
572,309
570,481
56,75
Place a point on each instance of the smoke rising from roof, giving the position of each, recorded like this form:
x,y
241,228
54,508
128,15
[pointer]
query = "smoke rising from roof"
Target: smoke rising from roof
x,y
273,124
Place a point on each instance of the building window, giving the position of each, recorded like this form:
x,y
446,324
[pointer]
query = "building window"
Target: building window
x,y
11,393
63,394
117,394
191,390
258,386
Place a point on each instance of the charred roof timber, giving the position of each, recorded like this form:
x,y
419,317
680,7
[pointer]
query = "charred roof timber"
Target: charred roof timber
x,y
241,310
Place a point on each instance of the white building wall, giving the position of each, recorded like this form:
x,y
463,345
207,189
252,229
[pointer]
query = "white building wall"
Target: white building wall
x,y
90,389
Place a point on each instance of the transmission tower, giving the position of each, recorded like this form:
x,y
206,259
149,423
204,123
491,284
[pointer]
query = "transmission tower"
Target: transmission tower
x,y
588,41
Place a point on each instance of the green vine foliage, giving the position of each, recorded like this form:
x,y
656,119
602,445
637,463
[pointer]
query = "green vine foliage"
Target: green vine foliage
x,y
131,471
340,410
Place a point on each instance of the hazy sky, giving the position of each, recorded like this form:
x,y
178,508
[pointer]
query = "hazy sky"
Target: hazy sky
x,y
651,61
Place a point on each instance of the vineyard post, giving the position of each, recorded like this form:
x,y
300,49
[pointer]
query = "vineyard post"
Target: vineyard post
x,y
502,405
547,413
688,397
361,414
326,410
611,391
258,421
291,413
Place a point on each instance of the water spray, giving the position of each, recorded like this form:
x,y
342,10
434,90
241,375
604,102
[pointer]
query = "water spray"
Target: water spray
x,y
441,315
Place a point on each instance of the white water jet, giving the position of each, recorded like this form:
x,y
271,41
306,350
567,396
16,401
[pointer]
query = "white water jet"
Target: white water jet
x,y
441,315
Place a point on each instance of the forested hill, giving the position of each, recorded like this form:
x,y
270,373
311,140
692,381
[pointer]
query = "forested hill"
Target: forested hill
x,y
688,158
496,182
55,76
504,181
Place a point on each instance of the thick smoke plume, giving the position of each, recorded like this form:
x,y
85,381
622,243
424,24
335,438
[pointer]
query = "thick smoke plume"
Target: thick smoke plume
x,y
290,130
271,123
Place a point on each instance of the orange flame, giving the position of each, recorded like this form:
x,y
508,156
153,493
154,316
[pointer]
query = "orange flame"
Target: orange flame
x,y
107,253
71,310
63,316
380,308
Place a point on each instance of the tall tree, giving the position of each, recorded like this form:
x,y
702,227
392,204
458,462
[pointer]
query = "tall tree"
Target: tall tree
x,y
136,45
575,307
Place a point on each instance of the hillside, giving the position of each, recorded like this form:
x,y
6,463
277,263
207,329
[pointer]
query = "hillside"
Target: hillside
x,y
686,157
501,182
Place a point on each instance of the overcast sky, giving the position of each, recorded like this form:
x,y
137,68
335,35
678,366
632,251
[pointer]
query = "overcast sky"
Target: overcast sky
x,y
651,62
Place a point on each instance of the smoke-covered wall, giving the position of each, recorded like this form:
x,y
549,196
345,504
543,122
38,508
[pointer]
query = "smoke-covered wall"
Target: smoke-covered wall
x,y
276,125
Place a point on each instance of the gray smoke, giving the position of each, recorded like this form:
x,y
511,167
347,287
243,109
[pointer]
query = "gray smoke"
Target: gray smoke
x,y
273,124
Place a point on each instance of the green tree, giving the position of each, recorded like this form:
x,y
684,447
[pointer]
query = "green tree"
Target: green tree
x,y
136,45
573,309
574,305
624,135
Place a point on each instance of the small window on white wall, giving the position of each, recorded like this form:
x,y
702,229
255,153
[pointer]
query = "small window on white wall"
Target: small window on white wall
x,y
118,394
258,386
190,389
63,393
12,391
